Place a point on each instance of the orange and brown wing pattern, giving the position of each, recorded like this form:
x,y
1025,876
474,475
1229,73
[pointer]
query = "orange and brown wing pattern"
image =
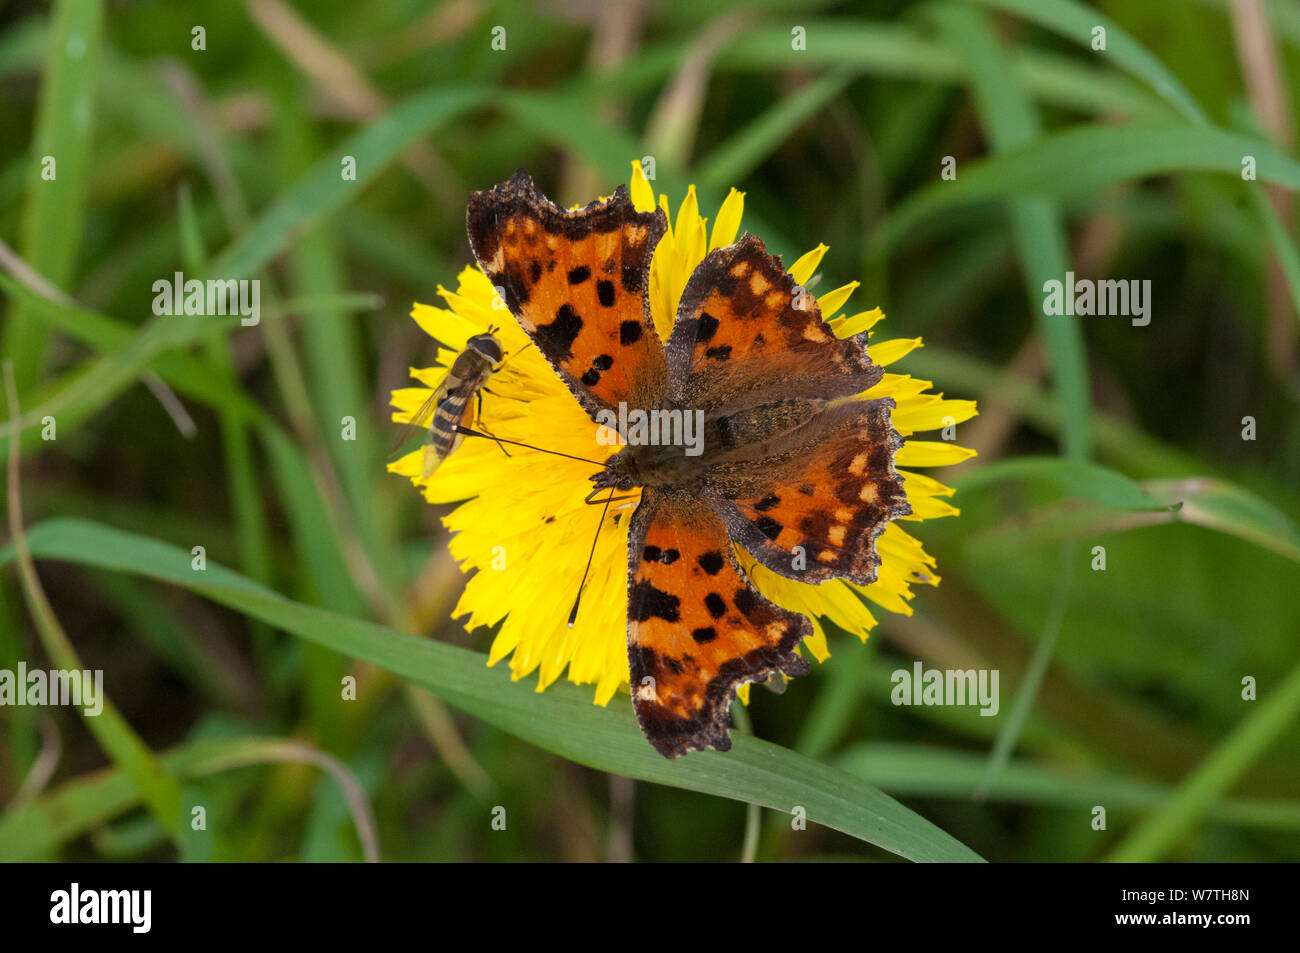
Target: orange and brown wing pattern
x,y
809,504
576,281
696,627
744,329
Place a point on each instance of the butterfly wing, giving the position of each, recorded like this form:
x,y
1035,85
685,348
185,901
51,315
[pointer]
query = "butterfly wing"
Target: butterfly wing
x,y
803,483
809,503
746,333
576,281
697,629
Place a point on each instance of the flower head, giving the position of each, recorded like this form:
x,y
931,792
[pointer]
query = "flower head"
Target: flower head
x,y
528,539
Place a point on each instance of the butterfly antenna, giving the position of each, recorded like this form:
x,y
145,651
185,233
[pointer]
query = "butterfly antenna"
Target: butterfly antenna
x,y
573,615
527,446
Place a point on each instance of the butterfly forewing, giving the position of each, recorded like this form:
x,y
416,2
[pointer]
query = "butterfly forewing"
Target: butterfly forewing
x,y
747,334
576,281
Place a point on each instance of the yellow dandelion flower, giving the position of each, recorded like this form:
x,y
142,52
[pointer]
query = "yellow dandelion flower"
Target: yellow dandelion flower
x,y
527,541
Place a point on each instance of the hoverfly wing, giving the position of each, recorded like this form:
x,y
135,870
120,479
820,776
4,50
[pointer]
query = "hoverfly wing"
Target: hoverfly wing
x,y
430,461
421,418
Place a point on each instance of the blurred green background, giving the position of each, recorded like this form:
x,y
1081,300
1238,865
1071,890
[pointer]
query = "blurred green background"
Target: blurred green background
x,y
1121,688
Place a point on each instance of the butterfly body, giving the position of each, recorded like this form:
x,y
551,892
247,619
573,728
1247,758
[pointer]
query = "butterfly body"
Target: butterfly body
x,y
656,465
795,468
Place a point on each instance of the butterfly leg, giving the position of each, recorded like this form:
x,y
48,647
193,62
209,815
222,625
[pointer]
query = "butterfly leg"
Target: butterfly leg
x,y
613,499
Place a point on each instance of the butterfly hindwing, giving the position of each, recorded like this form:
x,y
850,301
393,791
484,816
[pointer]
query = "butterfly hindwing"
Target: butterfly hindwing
x,y
697,628
576,281
745,331
809,504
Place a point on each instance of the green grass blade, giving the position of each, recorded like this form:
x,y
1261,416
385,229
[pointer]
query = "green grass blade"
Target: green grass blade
x,y
119,741
925,771
563,720
1073,477
747,149
1276,710
1124,444
1231,509
1087,159
901,51
323,190
333,349
54,210
34,831
1011,121
1076,22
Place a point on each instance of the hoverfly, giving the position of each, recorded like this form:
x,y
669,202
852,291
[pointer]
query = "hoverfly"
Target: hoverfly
x,y
447,409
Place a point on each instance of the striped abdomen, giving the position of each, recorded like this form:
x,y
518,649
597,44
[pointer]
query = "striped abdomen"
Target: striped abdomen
x,y
449,414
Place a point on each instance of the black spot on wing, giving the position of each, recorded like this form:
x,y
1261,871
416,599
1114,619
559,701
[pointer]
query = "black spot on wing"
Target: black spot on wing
x,y
579,275
707,327
711,563
768,527
605,293
767,502
706,634
632,279
747,603
555,340
722,353
716,605
646,602
510,285
629,332
602,362
653,554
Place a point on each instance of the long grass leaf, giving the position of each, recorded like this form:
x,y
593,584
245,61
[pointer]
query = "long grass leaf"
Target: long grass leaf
x,y
563,720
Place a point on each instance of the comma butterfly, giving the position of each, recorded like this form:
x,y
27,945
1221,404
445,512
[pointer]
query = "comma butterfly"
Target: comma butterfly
x,y
793,469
